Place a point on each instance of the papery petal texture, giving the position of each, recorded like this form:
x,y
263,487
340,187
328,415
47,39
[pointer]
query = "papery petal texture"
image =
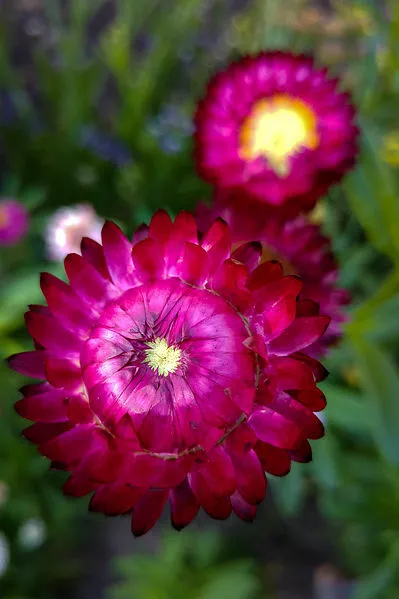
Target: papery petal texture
x,y
174,370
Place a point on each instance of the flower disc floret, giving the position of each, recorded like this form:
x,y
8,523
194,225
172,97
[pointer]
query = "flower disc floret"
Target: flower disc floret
x,y
172,369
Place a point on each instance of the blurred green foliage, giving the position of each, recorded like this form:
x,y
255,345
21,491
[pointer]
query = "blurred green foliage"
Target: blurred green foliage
x,y
189,566
99,110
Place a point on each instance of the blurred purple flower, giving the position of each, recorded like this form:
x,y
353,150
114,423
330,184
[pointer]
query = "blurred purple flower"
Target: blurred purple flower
x,y
171,127
106,147
14,221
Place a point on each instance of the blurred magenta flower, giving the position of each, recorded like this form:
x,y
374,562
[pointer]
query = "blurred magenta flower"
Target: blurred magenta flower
x,y
173,370
298,244
66,227
14,221
276,127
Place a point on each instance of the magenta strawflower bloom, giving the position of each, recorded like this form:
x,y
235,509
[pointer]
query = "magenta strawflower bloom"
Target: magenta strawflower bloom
x,y
66,228
173,370
276,127
299,245
14,221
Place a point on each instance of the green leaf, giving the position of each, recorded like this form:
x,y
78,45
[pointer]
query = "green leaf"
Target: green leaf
x,y
378,582
235,581
380,378
346,409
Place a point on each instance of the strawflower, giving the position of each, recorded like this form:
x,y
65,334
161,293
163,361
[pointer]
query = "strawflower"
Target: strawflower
x,y
172,370
275,127
299,245
14,221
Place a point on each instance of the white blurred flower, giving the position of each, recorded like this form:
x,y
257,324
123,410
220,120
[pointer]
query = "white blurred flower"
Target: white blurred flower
x,y
66,227
32,534
4,553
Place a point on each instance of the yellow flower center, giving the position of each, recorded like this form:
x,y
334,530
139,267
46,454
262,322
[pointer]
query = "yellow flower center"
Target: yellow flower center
x,y
277,128
162,357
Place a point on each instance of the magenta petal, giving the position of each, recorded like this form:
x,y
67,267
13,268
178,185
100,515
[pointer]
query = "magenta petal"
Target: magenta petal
x,y
93,253
148,260
46,329
63,373
160,227
301,333
117,252
219,473
29,363
115,499
194,268
273,428
274,460
78,486
147,511
44,407
41,432
73,314
244,510
249,254
217,507
217,244
87,281
184,505
251,480
71,446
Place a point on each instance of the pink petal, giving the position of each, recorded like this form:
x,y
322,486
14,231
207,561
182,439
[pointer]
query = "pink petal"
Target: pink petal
x,y
194,268
63,373
46,329
87,281
217,244
217,507
77,486
41,432
117,253
274,460
219,473
44,407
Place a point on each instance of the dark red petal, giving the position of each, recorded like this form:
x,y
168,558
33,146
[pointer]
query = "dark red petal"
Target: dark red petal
x,y
29,363
251,480
160,227
44,407
184,505
140,234
274,460
303,453
217,507
115,499
72,446
300,334
78,486
219,473
147,511
244,510
41,432
265,273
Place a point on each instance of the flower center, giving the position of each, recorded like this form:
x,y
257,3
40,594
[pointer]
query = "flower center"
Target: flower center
x,y
277,128
162,357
